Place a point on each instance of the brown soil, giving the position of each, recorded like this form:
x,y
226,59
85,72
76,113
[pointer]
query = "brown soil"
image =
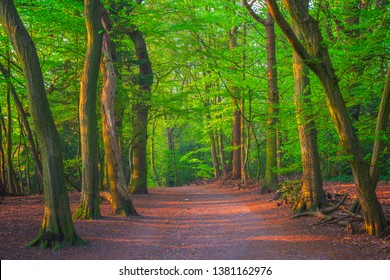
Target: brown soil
x,y
207,221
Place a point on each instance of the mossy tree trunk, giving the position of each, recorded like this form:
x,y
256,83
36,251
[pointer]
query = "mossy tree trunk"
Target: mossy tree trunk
x,y
312,195
138,183
271,137
57,228
121,201
317,58
89,200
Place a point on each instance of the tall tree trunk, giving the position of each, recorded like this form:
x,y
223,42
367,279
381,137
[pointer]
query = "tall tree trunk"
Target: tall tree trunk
x,y
312,195
225,167
57,227
236,130
89,200
271,174
152,155
214,154
121,201
139,174
317,58
271,135
11,182
172,168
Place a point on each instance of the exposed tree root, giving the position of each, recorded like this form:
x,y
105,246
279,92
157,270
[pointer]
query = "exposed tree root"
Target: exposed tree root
x,y
46,239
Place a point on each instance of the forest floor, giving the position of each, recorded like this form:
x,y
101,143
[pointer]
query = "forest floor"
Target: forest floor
x,y
211,220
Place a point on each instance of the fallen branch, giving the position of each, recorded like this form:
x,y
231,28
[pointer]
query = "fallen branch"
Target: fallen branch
x,y
334,208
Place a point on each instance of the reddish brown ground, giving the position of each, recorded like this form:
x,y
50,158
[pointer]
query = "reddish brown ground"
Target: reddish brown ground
x,y
208,221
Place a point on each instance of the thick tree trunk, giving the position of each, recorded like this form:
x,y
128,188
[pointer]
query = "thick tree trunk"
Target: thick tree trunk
x,y
316,56
57,228
120,197
138,183
271,175
89,200
312,195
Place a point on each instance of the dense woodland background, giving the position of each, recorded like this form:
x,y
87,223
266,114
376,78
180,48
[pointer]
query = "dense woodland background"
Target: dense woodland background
x,y
205,105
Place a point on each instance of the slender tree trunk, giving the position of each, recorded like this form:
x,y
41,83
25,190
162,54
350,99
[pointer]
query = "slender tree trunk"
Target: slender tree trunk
x,y
271,175
57,227
312,195
316,57
141,109
25,122
121,201
11,184
89,200
214,155
225,168
172,168
152,155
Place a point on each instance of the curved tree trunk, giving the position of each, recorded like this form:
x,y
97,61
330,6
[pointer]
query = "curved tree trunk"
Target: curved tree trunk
x,y
120,197
57,227
89,200
316,57
138,183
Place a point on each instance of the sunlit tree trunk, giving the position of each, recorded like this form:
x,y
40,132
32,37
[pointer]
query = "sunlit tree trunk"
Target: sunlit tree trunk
x,y
57,227
312,195
317,58
89,200
120,197
138,183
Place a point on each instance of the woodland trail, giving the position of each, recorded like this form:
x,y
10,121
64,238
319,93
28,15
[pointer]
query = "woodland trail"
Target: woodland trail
x,y
191,222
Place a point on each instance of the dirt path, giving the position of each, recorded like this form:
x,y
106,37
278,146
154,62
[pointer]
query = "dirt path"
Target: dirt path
x,y
192,222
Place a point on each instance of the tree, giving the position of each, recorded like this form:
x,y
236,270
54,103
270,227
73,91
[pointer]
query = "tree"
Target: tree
x,y
89,200
271,175
317,58
312,195
120,197
57,228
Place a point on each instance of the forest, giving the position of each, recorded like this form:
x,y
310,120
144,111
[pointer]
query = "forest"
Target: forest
x,y
111,99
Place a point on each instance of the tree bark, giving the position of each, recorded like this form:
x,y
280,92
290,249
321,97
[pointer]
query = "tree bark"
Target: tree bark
x,y
312,195
236,130
57,227
138,183
120,197
317,58
271,135
89,200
